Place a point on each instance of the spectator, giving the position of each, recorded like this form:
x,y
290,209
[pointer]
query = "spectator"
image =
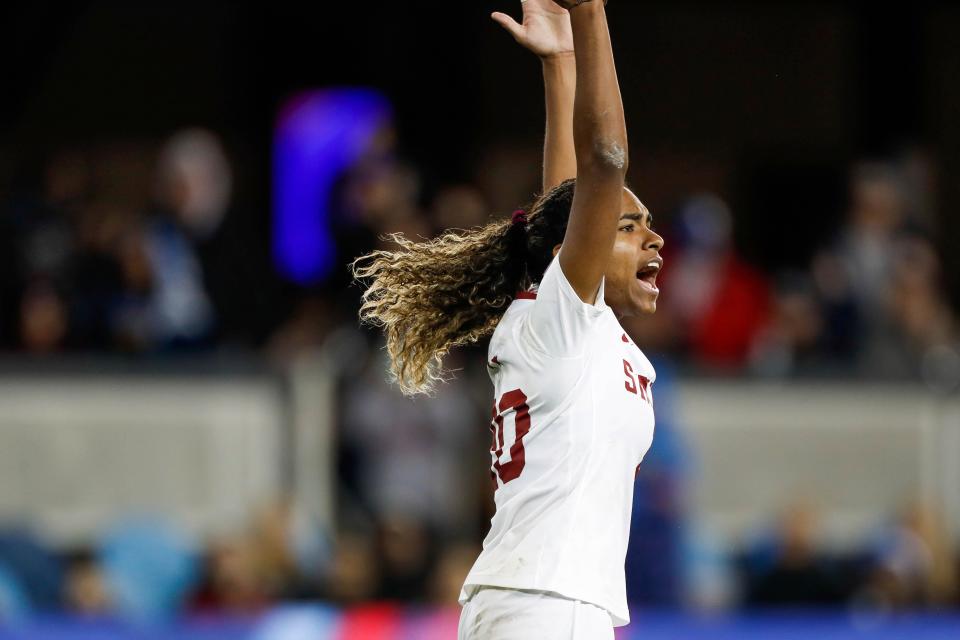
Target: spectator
x,y
352,576
879,282
720,302
914,563
789,570
234,581
451,570
195,187
853,275
916,303
793,339
43,319
408,455
150,568
86,593
406,556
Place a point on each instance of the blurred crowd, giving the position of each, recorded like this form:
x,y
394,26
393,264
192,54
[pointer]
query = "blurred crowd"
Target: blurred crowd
x,y
146,570
142,249
149,249
126,248
871,303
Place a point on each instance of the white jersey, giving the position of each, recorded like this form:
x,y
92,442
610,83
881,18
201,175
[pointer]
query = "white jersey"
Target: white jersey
x,y
572,419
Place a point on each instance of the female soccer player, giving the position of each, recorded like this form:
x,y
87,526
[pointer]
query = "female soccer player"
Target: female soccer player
x,y
573,414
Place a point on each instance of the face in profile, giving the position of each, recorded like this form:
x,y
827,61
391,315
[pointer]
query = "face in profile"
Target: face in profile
x,y
631,276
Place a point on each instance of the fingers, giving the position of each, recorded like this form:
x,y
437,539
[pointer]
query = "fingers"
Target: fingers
x,y
508,23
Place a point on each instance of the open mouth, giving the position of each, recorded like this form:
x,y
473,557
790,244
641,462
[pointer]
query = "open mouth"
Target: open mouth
x,y
647,275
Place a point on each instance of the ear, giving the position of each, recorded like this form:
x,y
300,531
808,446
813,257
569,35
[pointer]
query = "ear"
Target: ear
x,y
556,250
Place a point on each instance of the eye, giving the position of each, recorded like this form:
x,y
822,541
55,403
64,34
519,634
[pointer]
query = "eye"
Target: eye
x,y
627,227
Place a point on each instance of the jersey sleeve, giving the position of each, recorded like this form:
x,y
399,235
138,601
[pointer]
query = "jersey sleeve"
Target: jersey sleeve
x,y
559,322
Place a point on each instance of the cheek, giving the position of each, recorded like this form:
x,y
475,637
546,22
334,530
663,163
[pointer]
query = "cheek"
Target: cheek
x,y
623,262
622,258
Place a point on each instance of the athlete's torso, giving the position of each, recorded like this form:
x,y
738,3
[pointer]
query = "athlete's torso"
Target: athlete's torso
x,y
573,418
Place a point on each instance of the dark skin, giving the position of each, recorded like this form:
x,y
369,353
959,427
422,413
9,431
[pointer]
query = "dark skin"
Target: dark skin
x,y
631,274
630,288
600,144
584,115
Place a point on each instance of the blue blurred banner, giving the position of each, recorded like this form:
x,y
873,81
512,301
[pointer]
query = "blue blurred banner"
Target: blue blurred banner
x,y
319,134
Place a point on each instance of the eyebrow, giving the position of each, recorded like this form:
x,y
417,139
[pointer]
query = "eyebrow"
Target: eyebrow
x,y
637,217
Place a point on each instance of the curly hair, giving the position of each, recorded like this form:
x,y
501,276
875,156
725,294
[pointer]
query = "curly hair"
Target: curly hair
x,y
431,296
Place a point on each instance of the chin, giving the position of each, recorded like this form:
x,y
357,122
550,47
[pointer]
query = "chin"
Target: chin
x,y
646,303
647,308
632,302
635,309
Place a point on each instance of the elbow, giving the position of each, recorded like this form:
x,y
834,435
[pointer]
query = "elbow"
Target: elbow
x,y
605,156
612,154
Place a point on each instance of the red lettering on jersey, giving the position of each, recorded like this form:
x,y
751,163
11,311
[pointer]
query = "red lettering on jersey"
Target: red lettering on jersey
x,y
494,446
630,384
645,388
514,400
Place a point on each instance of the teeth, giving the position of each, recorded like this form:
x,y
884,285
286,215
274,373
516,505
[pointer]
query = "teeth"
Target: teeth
x,y
653,265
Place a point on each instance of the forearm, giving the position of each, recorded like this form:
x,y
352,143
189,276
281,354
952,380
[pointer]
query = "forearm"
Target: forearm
x,y
559,155
600,141
599,126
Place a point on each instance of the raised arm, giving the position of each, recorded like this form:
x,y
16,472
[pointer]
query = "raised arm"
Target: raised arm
x,y
559,154
546,31
600,141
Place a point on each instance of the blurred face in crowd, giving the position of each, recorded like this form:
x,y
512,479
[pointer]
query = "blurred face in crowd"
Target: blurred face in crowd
x,y
877,204
630,286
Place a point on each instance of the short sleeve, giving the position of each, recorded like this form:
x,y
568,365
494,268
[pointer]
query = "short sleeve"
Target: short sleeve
x,y
559,322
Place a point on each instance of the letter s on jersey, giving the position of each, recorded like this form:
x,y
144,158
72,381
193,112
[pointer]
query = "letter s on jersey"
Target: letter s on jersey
x,y
637,385
630,384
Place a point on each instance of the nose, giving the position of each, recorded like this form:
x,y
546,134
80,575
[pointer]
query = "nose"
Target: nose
x,y
653,241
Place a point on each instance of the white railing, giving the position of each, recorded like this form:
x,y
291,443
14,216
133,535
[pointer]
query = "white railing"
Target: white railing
x,y
858,453
79,452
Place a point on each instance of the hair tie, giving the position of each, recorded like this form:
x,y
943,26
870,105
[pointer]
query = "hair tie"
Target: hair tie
x,y
520,217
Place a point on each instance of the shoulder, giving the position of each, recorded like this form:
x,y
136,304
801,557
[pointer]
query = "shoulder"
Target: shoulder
x,y
555,290
507,327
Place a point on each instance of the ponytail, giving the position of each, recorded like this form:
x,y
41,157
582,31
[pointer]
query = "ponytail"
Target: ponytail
x,y
431,296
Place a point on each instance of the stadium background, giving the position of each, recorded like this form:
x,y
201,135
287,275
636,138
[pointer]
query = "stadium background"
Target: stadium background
x,y
197,441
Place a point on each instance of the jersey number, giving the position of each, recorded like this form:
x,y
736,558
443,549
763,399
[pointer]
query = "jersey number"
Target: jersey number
x,y
515,401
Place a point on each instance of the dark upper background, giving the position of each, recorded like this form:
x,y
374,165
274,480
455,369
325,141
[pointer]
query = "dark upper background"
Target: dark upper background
x,y
766,104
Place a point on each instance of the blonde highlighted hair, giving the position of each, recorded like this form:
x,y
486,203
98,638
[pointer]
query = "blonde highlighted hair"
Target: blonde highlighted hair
x,y
434,295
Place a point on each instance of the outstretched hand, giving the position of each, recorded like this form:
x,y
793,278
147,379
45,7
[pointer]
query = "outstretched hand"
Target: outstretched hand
x,y
545,29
